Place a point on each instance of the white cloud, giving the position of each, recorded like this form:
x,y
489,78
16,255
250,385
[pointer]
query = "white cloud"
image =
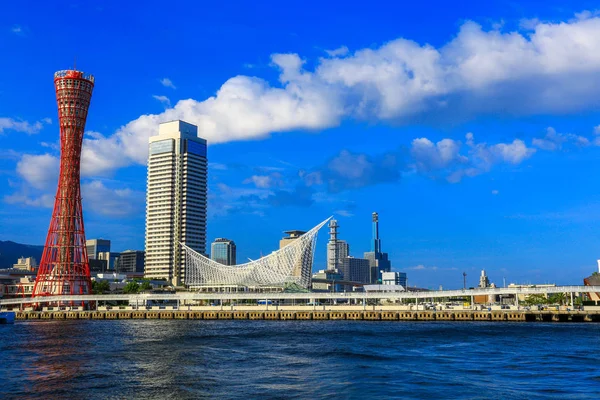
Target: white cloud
x,y
40,171
343,213
452,161
340,51
45,200
163,99
265,181
429,156
99,199
166,82
19,30
553,140
495,192
552,68
23,126
512,153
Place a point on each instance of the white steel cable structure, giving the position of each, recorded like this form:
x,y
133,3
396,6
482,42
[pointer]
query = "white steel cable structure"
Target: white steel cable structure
x,y
291,264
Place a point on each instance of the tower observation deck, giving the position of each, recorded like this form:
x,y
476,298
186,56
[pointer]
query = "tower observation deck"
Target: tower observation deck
x,y
64,267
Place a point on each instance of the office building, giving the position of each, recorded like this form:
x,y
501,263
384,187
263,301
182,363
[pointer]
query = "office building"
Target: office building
x,y
337,250
130,261
393,278
378,261
356,270
98,266
26,264
175,200
109,258
96,246
223,251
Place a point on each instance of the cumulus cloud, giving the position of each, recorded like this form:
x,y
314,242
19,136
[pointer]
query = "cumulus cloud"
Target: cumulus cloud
x,y
10,124
453,161
552,67
166,82
40,171
429,156
102,200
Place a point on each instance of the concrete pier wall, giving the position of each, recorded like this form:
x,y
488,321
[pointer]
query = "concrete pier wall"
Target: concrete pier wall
x,y
303,314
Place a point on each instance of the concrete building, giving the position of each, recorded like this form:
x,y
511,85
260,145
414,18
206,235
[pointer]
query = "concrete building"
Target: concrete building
x,y
394,278
130,261
223,251
337,250
175,200
378,261
96,246
356,270
26,264
330,275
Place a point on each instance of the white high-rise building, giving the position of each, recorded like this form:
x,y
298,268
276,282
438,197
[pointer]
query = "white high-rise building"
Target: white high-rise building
x,y
175,200
337,250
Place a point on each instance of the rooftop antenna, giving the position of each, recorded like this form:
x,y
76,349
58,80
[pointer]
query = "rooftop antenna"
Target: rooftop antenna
x,y
75,63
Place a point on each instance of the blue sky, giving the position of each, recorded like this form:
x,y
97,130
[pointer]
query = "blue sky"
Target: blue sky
x,y
472,128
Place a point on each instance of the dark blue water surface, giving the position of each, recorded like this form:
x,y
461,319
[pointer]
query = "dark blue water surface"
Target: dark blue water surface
x,y
299,359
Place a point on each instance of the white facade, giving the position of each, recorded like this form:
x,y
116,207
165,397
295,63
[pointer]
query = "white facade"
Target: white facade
x,y
26,263
337,250
175,200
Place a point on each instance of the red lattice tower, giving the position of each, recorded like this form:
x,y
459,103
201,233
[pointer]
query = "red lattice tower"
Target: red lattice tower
x,y
64,269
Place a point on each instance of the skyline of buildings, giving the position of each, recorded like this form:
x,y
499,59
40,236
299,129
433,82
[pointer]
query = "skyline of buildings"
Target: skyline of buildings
x,y
176,199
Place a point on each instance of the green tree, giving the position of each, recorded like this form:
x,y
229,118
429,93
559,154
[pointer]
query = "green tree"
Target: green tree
x,y
558,298
100,287
534,299
146,285
131,288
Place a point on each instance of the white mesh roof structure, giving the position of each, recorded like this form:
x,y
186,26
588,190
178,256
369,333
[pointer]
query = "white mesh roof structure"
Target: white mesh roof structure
x,y
291,264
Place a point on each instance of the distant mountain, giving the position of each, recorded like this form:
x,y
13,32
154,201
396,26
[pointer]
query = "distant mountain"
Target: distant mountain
x,y
10,252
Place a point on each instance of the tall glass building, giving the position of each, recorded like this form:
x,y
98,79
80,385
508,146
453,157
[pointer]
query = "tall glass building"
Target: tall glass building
x,y
175,200
223,251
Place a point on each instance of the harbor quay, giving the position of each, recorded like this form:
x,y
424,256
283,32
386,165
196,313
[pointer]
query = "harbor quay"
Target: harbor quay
x,y
332,313
448,305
